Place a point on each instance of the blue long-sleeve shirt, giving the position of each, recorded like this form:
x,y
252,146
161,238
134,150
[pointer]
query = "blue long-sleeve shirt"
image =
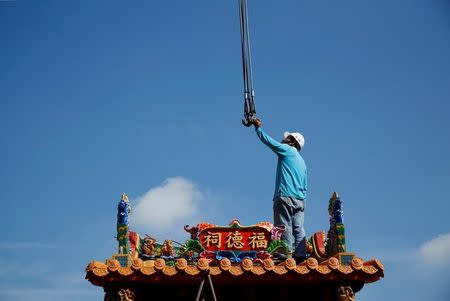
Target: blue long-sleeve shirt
x,y
291,179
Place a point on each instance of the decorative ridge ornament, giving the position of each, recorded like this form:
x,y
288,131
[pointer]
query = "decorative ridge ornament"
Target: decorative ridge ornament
x,y
124,197
336,234
235,223
335,196
123,211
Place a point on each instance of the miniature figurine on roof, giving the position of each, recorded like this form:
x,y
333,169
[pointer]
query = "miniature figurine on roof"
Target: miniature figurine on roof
x,y
243,263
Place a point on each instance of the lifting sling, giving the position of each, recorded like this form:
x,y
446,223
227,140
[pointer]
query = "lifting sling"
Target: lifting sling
x,y
249,93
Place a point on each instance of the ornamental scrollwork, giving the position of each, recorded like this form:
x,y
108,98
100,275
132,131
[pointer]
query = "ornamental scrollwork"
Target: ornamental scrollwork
x,y
345,293
126,295
120,295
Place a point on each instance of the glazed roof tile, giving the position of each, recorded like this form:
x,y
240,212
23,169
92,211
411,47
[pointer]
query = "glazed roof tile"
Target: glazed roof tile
x,y
159,270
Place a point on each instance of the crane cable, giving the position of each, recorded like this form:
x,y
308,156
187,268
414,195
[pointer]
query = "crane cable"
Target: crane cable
x,y
249,92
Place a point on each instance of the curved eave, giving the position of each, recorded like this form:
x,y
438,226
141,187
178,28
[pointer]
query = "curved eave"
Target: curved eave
x,y
310,271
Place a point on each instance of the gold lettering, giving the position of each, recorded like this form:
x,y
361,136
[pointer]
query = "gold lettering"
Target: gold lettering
x,y
258,240
234,240
212,239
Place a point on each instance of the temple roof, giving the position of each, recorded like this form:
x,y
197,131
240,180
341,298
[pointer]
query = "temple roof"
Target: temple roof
x,y
234,256
180,271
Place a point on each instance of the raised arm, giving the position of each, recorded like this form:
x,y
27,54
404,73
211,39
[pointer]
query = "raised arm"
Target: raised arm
x,y
277,147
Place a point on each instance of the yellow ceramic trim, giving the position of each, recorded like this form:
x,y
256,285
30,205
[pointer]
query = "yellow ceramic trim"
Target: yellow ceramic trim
x,y
150,267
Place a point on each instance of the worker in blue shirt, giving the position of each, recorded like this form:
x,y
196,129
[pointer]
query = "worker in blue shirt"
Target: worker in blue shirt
x,y
290,188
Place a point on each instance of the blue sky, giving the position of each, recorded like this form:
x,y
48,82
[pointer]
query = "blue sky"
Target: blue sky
x,y
145,97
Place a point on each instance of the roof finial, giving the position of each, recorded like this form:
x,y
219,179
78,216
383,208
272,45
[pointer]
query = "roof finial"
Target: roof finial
x,y
335,196
124,197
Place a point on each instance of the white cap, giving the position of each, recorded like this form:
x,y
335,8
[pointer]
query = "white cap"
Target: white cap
x,y
298,137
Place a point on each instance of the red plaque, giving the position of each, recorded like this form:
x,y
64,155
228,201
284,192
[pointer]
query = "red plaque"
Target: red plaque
x,y
235,239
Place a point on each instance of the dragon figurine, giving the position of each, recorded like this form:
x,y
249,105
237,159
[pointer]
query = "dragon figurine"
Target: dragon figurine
x,y
149,246
167,248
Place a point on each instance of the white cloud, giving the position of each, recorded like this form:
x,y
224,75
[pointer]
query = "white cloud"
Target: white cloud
x,y
436,251
167,208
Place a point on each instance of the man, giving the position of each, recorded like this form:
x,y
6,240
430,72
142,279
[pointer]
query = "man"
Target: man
x,y
290,188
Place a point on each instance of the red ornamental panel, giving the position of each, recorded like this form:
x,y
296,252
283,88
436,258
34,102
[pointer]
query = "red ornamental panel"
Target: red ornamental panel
x,y
235,239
